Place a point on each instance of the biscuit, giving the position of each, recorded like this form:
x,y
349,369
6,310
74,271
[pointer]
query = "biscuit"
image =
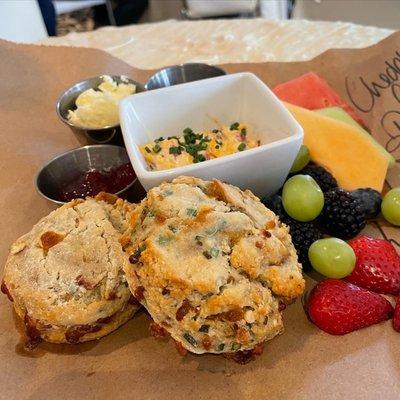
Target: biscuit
x,y
212,265
65,276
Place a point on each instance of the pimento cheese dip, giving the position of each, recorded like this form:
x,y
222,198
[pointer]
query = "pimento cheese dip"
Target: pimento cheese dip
x,y
197,147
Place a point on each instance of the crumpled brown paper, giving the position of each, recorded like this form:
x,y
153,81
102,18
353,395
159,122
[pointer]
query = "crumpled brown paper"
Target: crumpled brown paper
x,y
304,363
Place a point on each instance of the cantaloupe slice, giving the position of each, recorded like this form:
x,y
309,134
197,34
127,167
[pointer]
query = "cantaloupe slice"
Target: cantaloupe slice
x,y
341,115
342,149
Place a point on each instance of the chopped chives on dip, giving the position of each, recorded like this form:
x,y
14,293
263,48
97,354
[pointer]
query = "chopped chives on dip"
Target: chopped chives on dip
x,y
241,146
195,147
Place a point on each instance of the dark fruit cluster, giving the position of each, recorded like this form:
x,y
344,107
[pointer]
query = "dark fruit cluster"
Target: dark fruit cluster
x,y
325,180
343,215
370,199
303,234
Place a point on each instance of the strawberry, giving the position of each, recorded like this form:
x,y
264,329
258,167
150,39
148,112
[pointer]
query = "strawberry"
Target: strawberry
x,y
396,317
339,307
377,265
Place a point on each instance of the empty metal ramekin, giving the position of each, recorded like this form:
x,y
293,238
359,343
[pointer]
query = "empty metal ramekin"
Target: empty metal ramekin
x,y
176,74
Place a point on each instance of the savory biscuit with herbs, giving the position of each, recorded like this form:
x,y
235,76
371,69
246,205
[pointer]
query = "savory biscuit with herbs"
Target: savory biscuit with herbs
x,y
65,276
212,265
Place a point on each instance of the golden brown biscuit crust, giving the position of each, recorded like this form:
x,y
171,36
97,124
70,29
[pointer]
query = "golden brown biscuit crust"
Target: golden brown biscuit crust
x,y
211,264
65,276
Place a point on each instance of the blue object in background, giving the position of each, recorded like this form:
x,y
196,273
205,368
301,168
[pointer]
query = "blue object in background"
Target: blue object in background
x,y
49,16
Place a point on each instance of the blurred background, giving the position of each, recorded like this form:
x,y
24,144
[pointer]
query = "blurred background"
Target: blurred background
x,y
33,20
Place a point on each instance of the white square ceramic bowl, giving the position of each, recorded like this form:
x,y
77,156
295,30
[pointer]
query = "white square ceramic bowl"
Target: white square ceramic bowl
x,y
238,97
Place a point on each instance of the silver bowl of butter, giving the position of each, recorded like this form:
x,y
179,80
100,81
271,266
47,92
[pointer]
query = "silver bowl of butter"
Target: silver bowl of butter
x,y
90,107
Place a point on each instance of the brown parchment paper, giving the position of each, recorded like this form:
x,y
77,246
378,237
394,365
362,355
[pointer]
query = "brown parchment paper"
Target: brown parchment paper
x,y
303,363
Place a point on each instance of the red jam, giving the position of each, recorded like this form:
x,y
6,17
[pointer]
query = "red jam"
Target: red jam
x,y
92,182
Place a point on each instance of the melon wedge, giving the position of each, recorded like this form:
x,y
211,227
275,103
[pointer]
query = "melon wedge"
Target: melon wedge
x,y
340,115
312,92
342,149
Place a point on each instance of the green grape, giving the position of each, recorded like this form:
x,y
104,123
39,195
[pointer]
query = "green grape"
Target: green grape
x,y
332,257
301,160
302,198
391,206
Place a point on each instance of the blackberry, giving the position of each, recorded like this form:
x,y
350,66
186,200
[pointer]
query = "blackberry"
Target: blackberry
x,y
343,216
370,199
303,234
325,180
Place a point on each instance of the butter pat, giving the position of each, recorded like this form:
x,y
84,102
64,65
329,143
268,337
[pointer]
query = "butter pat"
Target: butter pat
x,y
99,108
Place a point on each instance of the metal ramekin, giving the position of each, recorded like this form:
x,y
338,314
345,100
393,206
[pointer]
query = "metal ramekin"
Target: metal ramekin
x,y
72,164
67,100
176,74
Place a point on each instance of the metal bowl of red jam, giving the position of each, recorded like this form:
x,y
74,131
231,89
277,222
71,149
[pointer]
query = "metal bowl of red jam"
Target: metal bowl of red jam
x,y
86,171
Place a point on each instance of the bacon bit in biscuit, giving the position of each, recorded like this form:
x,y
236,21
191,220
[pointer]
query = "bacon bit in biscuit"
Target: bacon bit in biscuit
x,y
66,297
259,349
133,258
259,244
81,281
32,332
265,233
204,328
245,356
4,289
74,333
105,320
206,342
157,331
31,328
31,344
106,197
143,215
138,293
181,350
160,218
281,306
112,296
50,239
270,225
125,241
183,310
233,315
132,301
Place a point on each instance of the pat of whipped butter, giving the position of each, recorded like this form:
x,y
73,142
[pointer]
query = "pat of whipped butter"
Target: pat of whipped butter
x,y
98,108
